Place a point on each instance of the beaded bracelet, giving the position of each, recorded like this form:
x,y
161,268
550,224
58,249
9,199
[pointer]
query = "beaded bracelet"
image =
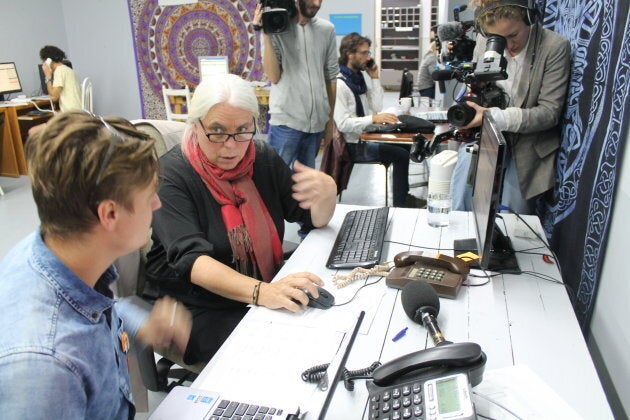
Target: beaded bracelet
x,y
255,294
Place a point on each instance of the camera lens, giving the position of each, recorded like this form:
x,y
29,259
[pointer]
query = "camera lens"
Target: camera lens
x,y
460,115
275,21
495,43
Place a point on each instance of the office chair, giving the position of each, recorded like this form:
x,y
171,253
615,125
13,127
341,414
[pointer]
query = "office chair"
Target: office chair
x,y
176,101
86,95
337,163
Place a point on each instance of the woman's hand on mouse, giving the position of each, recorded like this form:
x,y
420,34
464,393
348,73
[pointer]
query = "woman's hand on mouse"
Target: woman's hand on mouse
x,y
289,292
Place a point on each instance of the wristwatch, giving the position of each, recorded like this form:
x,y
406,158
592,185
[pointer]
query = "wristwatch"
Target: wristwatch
x,y
49,80
257,27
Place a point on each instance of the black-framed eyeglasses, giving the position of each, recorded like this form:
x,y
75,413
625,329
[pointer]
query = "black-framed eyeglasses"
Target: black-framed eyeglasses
x,y
241,137
116,137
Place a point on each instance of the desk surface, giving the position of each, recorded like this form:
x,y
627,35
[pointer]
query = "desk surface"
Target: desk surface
x,y
402,137
517,320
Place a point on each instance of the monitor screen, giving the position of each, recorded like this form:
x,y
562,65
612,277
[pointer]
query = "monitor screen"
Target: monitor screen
x,y
42,79
493,246
406,84
212,65
9,79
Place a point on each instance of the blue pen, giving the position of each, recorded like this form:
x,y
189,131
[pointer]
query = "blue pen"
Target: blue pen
x,y
400,335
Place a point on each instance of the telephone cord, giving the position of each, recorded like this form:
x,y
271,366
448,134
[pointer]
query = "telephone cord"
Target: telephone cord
x,y
315,373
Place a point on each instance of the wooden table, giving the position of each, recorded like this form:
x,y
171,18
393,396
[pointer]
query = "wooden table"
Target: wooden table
x,y
14,132
405,138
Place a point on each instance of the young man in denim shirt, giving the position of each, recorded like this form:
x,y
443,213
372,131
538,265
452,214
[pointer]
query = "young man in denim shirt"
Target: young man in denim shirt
x,y
63,338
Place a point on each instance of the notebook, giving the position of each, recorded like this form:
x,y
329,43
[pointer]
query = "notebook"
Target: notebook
x,y
192,403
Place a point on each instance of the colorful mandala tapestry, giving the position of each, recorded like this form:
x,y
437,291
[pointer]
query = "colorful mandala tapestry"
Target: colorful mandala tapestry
x,y
169,39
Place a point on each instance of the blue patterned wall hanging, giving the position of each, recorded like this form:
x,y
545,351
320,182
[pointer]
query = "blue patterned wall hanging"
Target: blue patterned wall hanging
x,y
594,132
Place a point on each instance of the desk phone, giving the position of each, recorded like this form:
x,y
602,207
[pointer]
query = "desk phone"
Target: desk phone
x,y
431,384
445,274
444,397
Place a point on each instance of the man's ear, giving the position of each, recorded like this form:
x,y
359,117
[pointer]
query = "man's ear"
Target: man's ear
x,y
107,212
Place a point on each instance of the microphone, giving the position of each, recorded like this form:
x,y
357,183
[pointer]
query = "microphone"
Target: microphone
x,y
442,74
421,304
450,31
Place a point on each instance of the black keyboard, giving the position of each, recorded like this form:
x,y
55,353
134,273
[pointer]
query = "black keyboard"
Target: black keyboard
x,y
240,411
360,239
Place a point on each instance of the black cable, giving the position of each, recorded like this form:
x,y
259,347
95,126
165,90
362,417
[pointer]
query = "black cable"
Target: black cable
x,y
316,373
357,291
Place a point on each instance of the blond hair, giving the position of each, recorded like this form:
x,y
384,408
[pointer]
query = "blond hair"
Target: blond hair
x,y
493,14
72,170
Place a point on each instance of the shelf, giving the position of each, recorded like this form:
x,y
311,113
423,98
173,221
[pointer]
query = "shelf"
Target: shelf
x,y
400,37
398,48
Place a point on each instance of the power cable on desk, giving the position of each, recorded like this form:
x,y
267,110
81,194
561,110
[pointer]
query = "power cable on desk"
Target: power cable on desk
x,y
568,288
357,291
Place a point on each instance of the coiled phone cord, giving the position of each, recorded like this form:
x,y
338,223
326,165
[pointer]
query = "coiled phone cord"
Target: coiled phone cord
x,y
315,373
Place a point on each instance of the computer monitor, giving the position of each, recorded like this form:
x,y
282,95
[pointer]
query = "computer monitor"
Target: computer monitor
x,y
406,84
493,247
42,79
9,79
212,65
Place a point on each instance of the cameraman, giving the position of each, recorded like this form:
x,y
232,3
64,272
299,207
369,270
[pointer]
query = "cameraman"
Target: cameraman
x,y
301,63
538,71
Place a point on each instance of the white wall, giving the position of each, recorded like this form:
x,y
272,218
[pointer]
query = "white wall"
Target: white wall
x,y
365,8
26,27
99,38
610,329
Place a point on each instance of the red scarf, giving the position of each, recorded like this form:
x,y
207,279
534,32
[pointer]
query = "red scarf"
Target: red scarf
x,y
249,226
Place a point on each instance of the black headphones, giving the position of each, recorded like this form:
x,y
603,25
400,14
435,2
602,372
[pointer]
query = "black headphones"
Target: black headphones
x,y
529,16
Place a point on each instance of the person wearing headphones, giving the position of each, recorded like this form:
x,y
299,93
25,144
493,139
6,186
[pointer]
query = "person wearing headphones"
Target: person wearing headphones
x,y
61,80
538,71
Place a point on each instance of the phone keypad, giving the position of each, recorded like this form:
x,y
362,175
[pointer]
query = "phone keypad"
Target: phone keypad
x,y
400,402
427,273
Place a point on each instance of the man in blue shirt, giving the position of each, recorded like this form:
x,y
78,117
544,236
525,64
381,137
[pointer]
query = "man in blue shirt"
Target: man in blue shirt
x,y
63,338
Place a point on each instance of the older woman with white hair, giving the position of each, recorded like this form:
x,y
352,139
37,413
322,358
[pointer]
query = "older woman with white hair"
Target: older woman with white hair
x,y
217,239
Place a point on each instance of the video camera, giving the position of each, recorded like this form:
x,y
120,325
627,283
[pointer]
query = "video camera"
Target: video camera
x,y
456,33
491,67
277,15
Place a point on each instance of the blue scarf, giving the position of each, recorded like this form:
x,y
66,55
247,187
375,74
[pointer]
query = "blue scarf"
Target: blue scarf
x,y
356,83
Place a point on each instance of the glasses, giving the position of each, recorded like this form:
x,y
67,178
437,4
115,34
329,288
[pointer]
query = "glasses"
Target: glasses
x,y
223,137
366,52
116,137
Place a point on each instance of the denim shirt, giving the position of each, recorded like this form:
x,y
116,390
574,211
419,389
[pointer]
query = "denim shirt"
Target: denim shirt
x,y
59,358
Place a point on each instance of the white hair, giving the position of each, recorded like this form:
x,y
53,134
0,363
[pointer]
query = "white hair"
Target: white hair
x,y
229,89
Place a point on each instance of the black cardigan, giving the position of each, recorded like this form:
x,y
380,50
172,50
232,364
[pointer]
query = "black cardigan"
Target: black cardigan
x,y
189,223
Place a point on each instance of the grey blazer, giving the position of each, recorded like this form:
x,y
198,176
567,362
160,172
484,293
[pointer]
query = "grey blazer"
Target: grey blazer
x,y
541,95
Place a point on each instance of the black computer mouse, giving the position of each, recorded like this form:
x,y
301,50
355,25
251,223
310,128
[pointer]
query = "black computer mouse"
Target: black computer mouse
x,y
324,301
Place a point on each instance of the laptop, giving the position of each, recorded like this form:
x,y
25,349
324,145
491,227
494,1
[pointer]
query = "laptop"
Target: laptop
x,y
192,403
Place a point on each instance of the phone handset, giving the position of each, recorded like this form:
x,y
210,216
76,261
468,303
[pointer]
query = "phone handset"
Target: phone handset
x,y
436,382
48,61
447,358
452,264
443,272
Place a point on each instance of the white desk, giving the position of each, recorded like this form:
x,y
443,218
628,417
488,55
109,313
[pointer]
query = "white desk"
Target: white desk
x,y
517,320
